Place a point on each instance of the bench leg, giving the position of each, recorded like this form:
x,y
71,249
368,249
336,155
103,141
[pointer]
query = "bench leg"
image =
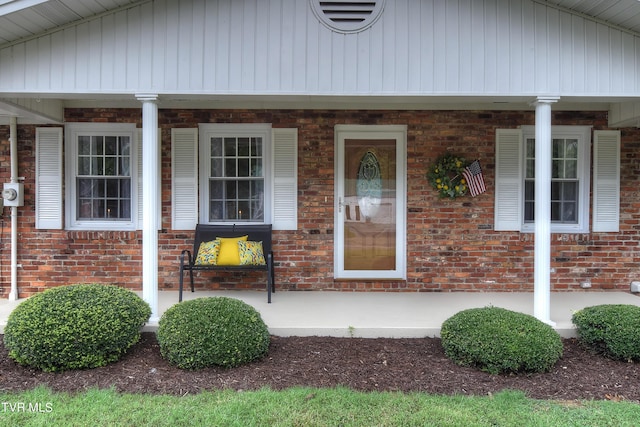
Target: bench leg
x,y
180,288
273,280
270,278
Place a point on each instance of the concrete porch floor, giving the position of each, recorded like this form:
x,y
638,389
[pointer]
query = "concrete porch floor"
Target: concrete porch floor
x,y
380,314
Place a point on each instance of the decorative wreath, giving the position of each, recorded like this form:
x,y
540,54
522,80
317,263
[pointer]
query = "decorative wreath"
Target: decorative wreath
x,y
445,175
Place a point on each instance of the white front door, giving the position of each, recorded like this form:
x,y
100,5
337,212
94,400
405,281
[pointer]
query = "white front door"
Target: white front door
x,y
370,202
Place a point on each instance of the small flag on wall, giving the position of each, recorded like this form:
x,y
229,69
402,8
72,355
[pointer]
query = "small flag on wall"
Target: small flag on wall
x,y
475,180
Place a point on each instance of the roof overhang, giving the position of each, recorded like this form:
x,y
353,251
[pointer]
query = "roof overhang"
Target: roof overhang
x,y
623,111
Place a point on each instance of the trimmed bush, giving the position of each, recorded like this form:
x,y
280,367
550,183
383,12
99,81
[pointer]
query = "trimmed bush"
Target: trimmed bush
x,y
212,331
497,340
75,327
612,330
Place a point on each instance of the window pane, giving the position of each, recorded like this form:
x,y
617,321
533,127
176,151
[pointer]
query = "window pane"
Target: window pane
x,y
230,168
216,168
531,148
112,208
557,150
84,188
84,145
256,147
125,146
84,166
570,191
571,150
98,209
113,188
97,146
243,147
231,210
556,214
216,189
84,209
529,197
557,169
243,167
531,168
110,168
125,188
244,191
125,169
230,147
256,167
244,211
571,169
216,147
110,145
97,166
556,190
257,197
570,213
125,209
231,192
216,209
98,188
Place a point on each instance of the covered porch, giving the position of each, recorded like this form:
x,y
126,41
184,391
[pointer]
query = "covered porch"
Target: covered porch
x,y
381,314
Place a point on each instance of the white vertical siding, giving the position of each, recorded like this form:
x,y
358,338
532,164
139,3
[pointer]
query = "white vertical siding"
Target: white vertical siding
x,y
421,47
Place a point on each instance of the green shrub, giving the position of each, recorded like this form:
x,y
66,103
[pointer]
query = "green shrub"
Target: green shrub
x,y
75,327
212,331
612,330
500,341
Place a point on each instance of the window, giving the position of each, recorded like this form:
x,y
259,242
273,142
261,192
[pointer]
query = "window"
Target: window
x,y
101,176
570,154
571,180
234,173
265,184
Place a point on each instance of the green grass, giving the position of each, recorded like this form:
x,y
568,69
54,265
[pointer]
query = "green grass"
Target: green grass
x,y
304,407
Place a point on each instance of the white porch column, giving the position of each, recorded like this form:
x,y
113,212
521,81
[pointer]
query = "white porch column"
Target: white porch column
x,y
150,182
542,251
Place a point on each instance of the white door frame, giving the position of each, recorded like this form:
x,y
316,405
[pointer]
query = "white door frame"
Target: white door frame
x,y
398,133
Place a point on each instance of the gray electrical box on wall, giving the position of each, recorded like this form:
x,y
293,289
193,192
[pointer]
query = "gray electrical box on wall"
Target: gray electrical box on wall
x,y
13,194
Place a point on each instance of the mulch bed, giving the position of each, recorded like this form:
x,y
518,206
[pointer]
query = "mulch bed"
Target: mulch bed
x,y
407,365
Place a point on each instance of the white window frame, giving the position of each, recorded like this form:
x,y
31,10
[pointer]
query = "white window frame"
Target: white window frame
x,y
210,130
72,131
583,135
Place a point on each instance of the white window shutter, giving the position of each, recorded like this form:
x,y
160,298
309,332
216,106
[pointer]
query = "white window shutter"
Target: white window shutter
x,y
184,178
49,175
508,182
140,192
606,181
285,179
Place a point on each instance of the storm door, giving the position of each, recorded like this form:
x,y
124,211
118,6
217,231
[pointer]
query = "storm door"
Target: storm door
x,y
370,187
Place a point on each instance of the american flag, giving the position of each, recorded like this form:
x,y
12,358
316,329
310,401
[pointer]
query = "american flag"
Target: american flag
x,y
475,180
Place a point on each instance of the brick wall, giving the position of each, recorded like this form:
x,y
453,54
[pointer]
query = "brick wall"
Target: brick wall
x,y
451,244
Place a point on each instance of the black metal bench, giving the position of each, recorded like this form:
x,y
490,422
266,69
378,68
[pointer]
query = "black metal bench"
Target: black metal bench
x,y
206,233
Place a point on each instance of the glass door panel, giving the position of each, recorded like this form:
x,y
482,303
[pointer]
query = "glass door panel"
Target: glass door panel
x,y
370,191
369,205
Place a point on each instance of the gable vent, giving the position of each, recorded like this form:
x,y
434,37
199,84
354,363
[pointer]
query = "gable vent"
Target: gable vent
x,y
347,16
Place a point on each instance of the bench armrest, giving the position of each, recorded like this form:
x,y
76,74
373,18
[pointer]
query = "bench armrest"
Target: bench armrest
x,y
189,258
